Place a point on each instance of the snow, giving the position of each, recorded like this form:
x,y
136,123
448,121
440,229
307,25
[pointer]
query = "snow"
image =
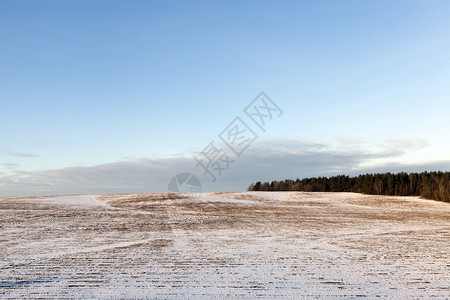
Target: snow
x,y
224,245
210,197
76,200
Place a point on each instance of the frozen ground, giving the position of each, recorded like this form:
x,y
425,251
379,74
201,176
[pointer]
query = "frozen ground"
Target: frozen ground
x,y
224,245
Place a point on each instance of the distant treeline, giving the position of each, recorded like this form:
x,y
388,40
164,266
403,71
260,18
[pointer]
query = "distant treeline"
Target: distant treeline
x,y
430,185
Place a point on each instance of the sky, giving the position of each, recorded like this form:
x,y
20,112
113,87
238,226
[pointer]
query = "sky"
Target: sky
x,y
120,96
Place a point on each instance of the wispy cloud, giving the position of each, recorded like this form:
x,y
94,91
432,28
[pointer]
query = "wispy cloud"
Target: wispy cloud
x,y
18,154
10,165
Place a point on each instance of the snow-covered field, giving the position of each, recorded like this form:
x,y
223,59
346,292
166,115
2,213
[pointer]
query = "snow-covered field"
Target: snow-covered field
x,y
224,245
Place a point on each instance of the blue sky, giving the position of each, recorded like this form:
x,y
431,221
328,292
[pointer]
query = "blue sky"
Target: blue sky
x,y
117,96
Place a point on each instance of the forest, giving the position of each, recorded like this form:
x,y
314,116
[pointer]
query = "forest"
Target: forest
x,y
429,185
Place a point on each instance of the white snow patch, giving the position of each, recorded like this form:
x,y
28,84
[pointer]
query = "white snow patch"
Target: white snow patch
x,y
72,200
